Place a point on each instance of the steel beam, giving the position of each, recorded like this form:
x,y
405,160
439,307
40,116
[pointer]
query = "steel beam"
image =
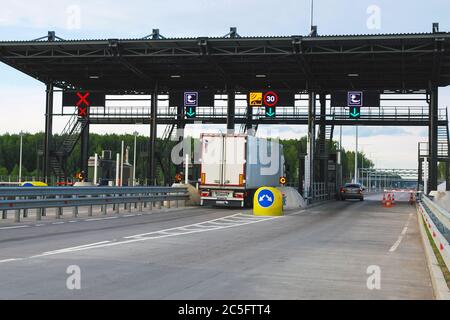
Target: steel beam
x,y
309,163
433,139
231,114
324,156
48,131
181,126
85,151
153,137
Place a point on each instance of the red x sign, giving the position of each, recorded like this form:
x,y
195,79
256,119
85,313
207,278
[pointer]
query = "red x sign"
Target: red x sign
x,y
83,104
83,99
82,112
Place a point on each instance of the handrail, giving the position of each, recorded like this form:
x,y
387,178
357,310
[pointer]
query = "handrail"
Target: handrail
x,y
437,221
77,191
389,112
17,199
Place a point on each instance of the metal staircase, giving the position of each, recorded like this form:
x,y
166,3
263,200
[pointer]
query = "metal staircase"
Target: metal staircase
x,y
71,134
170,134
325,140
443,140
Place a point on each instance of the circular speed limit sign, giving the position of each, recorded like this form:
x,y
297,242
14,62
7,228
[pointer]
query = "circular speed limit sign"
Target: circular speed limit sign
x,y
271,99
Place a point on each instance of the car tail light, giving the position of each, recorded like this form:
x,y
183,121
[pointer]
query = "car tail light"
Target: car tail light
x,y
239,195
342,190
205,193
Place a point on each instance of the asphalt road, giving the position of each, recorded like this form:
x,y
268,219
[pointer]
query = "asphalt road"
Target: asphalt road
x,y
322,253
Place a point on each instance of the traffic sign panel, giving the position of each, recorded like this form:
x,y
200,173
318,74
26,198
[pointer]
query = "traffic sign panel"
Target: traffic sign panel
x,y
256,99
191,112
355,99
355,113
266,198
191,99
271,112
271,99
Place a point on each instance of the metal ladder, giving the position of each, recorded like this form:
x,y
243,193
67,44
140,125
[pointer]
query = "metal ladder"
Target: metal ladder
x,y
71,134
443,140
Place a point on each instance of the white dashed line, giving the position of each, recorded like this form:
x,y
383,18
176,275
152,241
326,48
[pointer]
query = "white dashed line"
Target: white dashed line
x,y
11,228
402,235
10,260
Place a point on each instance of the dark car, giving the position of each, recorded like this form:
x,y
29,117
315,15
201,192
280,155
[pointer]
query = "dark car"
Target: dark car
x,y
352,191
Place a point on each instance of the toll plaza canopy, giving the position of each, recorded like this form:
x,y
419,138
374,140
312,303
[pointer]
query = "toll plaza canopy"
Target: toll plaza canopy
x,y
403,62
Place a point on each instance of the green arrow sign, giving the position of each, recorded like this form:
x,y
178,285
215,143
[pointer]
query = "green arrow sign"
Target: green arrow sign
x,y
355,113
270,112
191,112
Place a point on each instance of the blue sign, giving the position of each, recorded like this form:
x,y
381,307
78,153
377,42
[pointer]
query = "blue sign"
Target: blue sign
x,y
266,198
191,99
355,99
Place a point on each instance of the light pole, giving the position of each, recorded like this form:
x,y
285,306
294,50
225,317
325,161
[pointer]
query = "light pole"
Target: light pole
x,y
136,134
121,163
20,160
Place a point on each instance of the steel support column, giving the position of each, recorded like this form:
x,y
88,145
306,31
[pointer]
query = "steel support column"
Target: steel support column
x,y
153,137
420,175
323,143
181,126
433,140
447,175
249,120
309,163
48,132
85,151
231,114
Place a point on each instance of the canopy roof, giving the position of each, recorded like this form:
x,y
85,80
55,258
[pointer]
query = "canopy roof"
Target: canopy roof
x,y
400,62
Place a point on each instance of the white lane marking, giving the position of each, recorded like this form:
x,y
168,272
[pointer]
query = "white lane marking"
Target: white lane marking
x,y
39,225
129,216
297,213
11,228
101,219
148,236
216,225
57,223
405,230
402,235
49,253
10,260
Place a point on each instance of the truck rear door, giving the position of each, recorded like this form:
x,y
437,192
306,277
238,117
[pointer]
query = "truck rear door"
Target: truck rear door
x,y
212,159
235,161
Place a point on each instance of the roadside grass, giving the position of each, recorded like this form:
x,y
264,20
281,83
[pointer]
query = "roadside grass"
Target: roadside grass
x,y
438,255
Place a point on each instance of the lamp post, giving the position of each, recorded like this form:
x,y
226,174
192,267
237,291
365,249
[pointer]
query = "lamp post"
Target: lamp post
x,y
21,153
136,134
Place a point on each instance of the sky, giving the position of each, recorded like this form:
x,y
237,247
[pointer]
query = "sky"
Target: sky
x,y
23,99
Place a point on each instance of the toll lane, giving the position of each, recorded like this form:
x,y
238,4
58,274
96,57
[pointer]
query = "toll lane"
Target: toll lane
x,y
321,253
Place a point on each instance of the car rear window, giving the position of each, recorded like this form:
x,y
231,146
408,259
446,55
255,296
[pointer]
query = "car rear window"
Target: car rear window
x,y
353,186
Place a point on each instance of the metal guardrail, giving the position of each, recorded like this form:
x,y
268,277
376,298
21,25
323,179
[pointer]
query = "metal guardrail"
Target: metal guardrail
x,y
17,199
437,221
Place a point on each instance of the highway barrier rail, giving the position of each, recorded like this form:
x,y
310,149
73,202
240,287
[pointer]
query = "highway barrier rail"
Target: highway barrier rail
x,y
41,199
437,220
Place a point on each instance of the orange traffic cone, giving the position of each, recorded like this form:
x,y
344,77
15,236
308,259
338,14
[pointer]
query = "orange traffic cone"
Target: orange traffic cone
x,y
388,203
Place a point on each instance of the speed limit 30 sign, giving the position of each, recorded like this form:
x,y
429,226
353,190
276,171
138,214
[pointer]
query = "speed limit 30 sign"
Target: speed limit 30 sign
x,y
271,99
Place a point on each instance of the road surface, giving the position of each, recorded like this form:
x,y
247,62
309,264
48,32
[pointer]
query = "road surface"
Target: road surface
x,y
321,253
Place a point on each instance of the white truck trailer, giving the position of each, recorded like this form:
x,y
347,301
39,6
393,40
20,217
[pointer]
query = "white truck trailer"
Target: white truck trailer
x,y
234,166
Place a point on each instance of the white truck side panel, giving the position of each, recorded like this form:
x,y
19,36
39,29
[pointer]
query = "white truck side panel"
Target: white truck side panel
x,y
224,158
235,159
212,159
